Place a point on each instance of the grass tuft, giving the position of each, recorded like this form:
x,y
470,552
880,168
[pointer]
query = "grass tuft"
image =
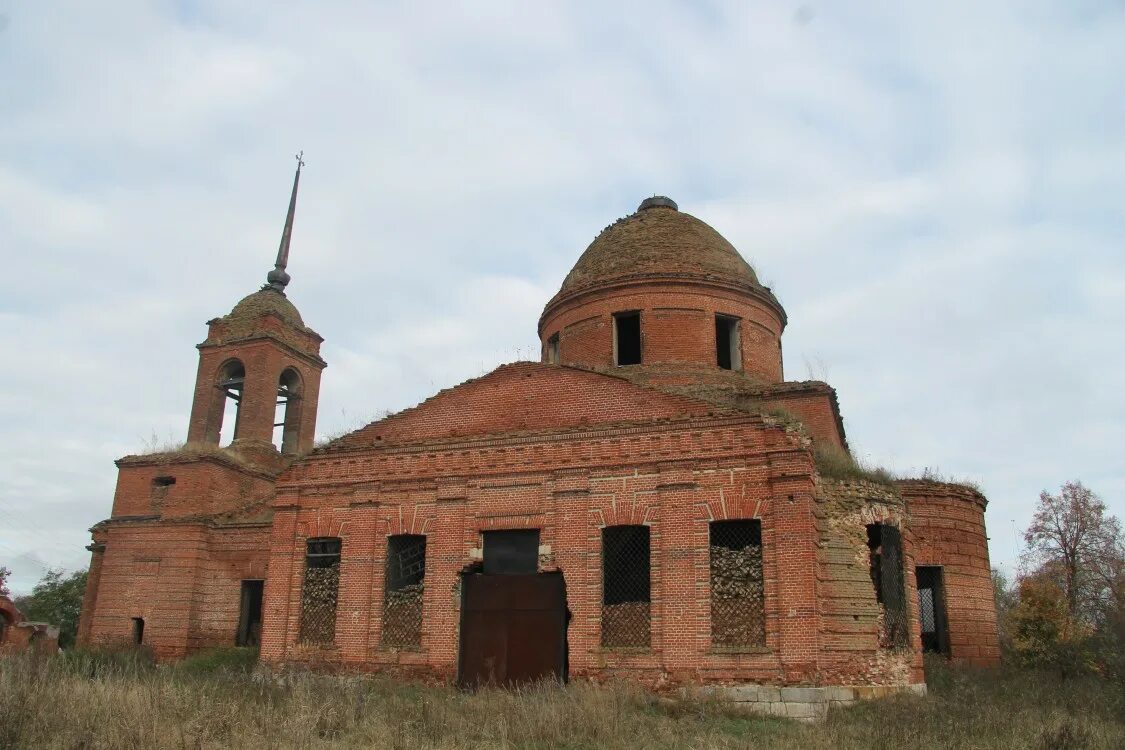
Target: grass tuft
x,y
836,463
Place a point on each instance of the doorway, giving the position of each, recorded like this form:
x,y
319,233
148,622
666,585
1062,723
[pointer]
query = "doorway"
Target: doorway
x,y
513,619
931,609
250,615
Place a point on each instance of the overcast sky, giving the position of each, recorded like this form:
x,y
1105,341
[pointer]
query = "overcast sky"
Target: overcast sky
x,y
937,196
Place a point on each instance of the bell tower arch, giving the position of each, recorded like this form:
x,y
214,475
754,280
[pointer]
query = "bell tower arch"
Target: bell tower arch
x,y
258,380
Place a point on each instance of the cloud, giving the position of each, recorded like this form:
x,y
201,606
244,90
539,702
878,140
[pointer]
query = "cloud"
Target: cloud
x,y
932,192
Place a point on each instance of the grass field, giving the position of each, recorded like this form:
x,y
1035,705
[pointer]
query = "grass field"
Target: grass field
x,y
217,701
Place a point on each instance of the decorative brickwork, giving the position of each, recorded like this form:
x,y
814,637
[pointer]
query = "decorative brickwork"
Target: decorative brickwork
x,y
674,504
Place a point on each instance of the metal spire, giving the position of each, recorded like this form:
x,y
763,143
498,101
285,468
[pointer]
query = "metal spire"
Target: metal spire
x,y
278,278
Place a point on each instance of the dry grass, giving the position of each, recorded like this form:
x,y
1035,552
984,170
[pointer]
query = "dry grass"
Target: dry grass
x,y
91,701
836,463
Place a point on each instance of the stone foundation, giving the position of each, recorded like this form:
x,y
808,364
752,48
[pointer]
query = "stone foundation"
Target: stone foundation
x,y
807,704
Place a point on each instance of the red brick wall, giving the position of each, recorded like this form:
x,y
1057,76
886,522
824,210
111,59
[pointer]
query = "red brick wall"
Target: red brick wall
x,y
184,579
947,521
677,325
817,412
569,485
203,485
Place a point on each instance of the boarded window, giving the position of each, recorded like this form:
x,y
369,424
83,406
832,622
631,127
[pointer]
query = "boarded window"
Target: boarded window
x,y
737,586
511,552
627,338
626,587
320,590
402,605
727,348
884,543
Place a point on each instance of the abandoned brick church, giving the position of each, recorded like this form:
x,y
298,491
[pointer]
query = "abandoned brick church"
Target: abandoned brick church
x,y
653,500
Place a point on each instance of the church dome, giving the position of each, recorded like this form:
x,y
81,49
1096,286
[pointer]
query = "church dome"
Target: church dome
x,y
264,301
658,240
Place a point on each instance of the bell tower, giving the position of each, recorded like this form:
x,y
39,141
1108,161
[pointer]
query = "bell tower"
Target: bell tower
x,y
259,369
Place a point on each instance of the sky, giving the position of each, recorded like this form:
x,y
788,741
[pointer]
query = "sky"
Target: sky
x,y
935,191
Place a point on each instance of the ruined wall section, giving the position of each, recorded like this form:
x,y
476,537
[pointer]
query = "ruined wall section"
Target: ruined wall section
x,y
949,530
854,647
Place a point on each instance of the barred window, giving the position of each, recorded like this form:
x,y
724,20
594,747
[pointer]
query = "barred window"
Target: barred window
x,y
738,617
318,596
626,587
402,604
884,543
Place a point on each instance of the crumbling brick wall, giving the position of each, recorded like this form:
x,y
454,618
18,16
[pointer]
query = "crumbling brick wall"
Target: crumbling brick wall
x,y
855,647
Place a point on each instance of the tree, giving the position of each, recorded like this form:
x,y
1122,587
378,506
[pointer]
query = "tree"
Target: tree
x,y
1006,598
56,599
5,574
1044,634
1071,537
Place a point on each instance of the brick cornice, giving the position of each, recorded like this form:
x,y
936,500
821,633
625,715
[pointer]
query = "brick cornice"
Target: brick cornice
x,y
268,336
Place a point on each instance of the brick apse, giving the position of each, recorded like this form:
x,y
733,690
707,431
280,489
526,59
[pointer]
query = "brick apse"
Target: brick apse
x,y
644,502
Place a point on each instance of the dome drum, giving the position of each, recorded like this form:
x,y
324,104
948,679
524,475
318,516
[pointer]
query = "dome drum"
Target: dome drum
x,y
674,284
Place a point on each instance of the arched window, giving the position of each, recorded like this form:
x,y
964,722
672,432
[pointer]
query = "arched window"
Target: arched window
x,y
287,414
227,410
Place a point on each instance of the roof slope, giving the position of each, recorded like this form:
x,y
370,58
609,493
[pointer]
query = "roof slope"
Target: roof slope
x,y
524,397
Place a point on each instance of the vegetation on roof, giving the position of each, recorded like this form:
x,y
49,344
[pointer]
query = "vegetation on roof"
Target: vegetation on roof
x,y
836,463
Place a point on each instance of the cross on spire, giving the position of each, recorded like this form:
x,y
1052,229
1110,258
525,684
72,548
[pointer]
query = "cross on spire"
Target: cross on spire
x,y
278,278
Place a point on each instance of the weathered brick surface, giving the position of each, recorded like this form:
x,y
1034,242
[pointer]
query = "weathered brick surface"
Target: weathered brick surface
x,y
674,443
948,525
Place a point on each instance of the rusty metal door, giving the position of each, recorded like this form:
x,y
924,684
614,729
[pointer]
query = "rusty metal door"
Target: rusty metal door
x,y
513,629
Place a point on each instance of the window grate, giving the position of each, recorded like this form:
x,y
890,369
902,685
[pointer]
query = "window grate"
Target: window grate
x,y
402,605
320,591
885,544
626,587
737,584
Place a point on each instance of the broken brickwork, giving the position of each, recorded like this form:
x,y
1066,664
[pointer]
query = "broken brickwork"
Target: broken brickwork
x,y
675,503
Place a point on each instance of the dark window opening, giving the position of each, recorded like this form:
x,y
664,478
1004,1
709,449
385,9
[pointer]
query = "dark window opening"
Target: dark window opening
x,y
320,591
138,630
512,552
931,609
160,488
627,338
726,342
738,612
553,349
626,586
402,605
884,544
287,412
3,627
232,378
250,615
